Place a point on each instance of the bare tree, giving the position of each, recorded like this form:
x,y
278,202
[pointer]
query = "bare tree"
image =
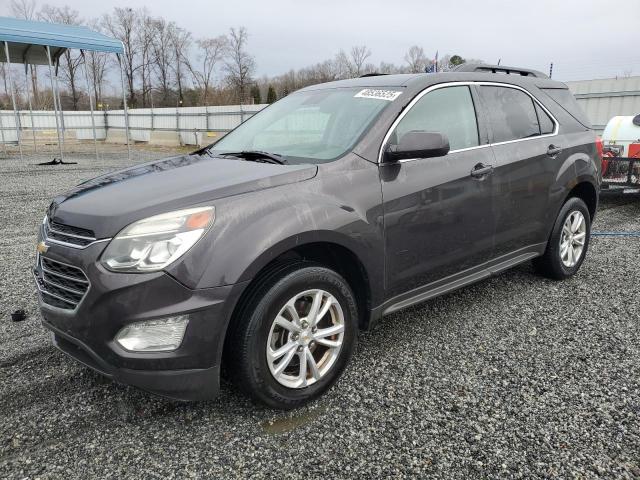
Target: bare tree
x,y
163,56
97,66
359,55
161,62
389,68
180,41
23,9
144,33
353,64
319,73
71,60
121,24
240,65
210,52
343,65
288,83
416,59
326,71
369,68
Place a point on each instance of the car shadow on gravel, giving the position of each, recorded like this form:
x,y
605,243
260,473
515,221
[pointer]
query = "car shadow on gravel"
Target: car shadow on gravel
x,y
429,318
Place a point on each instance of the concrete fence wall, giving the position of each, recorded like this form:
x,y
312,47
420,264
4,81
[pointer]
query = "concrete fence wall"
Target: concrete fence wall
x,y
163,126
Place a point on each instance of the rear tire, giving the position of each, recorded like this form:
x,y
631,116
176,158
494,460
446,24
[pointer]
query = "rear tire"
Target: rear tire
x,y
568,243
287,363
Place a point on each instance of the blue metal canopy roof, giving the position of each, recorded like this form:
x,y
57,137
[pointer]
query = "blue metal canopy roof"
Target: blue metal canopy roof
x,y
27,40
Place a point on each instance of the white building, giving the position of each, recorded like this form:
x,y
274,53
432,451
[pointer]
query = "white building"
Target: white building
x,y
606,98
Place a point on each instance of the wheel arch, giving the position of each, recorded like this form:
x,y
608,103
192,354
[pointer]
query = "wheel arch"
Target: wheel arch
x,y
333,255
329,252
586,191
582,188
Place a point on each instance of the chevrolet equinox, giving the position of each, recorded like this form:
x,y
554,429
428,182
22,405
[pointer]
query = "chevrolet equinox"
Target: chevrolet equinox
x,y
268,251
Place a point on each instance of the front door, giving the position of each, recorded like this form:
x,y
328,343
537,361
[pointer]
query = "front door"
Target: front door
x,y
438,212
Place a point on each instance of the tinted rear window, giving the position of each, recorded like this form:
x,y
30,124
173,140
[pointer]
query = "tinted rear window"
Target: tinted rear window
x,y
566,100
512,113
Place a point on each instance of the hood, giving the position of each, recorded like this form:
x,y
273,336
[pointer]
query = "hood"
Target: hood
x,y
108,203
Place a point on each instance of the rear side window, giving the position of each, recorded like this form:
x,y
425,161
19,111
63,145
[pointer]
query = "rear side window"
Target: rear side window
x,y
512,113
564,98
447,110
546,124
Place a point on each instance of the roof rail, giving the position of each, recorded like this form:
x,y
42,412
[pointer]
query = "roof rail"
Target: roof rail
x,y
372,74
479,67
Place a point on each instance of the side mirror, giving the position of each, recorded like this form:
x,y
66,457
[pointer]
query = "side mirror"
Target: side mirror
x,y
418,144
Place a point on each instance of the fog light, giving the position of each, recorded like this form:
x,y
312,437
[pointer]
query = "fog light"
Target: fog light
x,y
160,335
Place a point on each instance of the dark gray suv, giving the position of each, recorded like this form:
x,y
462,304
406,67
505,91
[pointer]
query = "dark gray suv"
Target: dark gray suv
x,y
268,251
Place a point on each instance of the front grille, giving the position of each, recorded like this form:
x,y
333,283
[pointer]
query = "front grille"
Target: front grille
x,y
68,235
61,285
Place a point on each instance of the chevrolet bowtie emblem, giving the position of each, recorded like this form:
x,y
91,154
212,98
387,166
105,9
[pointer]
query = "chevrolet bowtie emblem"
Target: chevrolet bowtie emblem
x,y
42,247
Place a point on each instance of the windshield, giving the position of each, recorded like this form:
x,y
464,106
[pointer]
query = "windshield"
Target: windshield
x,y
314,126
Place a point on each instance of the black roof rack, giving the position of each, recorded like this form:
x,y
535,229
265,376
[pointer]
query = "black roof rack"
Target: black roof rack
x,y
373,74
479,67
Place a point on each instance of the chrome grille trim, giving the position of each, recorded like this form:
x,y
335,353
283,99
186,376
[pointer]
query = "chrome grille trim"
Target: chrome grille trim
x,y
42,290
50,272
68,284
57,285
68,236
55,228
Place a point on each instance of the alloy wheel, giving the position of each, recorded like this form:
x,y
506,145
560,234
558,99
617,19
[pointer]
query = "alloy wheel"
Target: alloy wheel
x,y
305,338
572,239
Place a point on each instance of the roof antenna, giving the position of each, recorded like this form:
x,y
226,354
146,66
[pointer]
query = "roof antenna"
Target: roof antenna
x,y
499,60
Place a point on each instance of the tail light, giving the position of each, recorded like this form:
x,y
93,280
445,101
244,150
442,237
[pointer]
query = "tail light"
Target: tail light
x,y
604,163
599,146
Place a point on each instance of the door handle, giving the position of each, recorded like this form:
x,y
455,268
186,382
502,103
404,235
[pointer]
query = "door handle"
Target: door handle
x,y
481,170
552,151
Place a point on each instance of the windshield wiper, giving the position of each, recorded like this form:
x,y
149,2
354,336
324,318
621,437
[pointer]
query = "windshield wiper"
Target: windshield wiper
x,y
257,155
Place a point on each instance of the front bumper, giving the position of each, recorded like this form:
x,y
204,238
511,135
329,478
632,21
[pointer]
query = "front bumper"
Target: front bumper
x,y
185,384
113,300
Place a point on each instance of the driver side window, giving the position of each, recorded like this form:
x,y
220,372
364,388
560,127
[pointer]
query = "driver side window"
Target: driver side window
x,y
447,110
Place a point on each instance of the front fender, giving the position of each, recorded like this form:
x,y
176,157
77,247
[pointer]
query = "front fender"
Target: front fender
x,y
253,229
317,236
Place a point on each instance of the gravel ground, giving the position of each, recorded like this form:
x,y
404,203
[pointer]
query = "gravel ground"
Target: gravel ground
x,y
516,376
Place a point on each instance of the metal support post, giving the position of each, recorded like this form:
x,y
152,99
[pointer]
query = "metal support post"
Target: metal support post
x,y
13,97
33,125
55,102
93,122
124,104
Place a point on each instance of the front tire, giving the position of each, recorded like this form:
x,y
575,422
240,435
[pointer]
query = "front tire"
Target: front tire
x,y
294,336
568,243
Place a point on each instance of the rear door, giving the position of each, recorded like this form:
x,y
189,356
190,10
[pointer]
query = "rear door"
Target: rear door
x,y
526,149
438,216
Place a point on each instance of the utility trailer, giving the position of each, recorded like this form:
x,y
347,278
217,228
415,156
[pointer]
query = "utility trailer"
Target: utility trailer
x,y
621,154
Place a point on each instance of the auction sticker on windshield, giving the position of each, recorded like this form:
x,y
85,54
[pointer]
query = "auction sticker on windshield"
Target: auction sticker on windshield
x,y
389,95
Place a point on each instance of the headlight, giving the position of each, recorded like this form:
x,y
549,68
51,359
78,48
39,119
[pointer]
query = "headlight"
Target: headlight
x,y
153,243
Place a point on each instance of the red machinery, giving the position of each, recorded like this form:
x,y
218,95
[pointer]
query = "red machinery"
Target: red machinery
x,y
621,153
